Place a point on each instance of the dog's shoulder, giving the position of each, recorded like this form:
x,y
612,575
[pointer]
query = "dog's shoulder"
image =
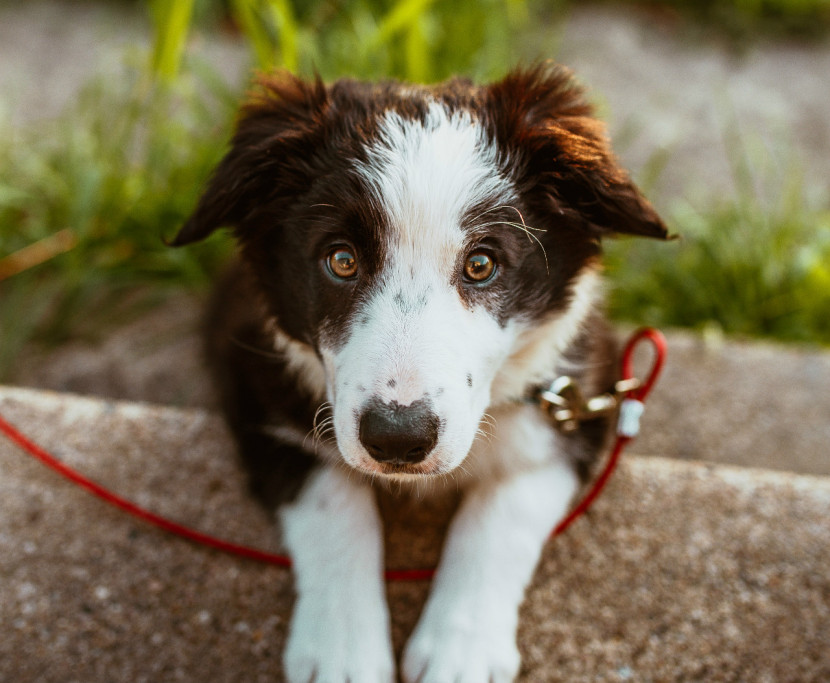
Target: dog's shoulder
x,y
269,412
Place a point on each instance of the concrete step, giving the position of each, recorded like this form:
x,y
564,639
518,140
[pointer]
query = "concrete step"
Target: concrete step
x,y
682,570
747,403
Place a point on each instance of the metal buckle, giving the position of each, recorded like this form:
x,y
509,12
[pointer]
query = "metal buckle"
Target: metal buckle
x,y
567,407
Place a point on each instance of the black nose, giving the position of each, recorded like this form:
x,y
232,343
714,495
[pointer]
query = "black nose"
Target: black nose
x,y
397,434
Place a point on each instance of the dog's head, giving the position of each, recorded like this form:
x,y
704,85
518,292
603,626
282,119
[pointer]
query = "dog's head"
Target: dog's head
x,y
432,249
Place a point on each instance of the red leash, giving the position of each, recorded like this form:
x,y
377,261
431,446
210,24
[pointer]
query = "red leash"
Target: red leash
x,y
629,420
630,410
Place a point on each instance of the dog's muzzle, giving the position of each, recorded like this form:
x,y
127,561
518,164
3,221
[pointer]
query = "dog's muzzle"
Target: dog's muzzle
x,y
398,435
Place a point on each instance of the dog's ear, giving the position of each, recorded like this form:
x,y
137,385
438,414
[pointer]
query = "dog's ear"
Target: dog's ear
x,y
265,160
541,115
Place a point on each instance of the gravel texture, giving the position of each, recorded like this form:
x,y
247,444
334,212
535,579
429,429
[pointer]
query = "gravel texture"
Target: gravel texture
x,y
682,571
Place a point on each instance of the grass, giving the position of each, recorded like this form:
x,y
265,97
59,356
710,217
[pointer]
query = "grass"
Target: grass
x,y
113,175
123,167
417,40
755,263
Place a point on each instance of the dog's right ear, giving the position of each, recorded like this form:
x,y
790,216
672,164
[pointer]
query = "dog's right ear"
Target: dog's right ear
x,y
273,134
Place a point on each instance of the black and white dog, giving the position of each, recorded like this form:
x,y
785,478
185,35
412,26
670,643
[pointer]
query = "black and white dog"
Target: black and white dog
x,y
415,263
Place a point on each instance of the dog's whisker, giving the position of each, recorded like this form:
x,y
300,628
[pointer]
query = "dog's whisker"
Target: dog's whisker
x,y
512,224
325,405
324,425
477,217
484,435
265,353
524,227
320,427
311,434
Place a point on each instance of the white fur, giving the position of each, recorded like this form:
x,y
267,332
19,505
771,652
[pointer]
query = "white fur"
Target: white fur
x,y
467,632
340,626
420,352
429,348
426,175
539,350
421,341
516,437
302,361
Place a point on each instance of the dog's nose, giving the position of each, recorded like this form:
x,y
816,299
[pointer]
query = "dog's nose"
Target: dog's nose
x,y
399,435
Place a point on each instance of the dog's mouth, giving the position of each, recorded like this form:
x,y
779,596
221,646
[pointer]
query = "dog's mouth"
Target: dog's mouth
x,y
421,470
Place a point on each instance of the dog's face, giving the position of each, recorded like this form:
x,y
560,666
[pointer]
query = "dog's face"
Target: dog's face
x,y
434,248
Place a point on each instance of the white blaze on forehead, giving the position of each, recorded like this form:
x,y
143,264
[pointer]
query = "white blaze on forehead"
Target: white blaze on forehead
x,y
418,339
426,175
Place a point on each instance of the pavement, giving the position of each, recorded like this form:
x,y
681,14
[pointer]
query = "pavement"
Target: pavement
x,y
682,571
738,402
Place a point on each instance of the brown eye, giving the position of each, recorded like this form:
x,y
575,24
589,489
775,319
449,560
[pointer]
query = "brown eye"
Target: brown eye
x,y
342,263
479,267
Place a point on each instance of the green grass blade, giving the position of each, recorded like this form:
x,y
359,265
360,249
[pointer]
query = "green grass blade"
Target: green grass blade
x,y
171,21
282,17
401,16
248,16
418,66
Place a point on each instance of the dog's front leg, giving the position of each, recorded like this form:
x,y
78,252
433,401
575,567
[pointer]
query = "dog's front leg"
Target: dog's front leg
x,y
340,627
467,632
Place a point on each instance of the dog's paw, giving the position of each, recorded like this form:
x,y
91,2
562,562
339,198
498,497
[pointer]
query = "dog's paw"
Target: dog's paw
x,y
321,649
472,653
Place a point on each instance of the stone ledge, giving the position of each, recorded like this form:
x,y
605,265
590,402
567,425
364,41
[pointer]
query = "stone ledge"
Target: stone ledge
x,y
682,571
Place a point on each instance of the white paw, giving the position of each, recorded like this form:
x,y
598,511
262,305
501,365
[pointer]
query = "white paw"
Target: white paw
x,y
461,653
326,647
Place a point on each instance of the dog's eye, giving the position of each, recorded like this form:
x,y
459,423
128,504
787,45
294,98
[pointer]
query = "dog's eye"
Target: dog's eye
x,y
342,263
479,266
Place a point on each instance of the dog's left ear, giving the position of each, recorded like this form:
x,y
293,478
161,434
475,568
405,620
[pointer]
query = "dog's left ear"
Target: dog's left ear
x,y
542,114
266,159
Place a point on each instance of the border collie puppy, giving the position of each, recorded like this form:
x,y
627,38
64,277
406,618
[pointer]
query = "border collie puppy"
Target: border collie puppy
x,y
416,262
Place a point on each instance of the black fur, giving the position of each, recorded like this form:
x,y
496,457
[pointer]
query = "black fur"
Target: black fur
x,y
256,390
286,190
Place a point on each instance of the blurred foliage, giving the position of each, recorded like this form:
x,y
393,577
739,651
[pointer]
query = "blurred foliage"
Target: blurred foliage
x,y
754,263
117,172
417,40
122,168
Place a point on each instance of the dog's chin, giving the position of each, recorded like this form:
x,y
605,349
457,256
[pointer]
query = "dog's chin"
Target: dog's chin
x,y
426,469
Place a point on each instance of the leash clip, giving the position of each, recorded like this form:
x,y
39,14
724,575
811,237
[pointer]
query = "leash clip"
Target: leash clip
x,y
566,406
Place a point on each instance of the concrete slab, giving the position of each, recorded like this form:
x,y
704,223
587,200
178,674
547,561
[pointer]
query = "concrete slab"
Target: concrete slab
x,y
682,571
748,403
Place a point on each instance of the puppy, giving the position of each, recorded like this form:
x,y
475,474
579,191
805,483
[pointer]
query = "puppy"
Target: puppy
x,y
416,263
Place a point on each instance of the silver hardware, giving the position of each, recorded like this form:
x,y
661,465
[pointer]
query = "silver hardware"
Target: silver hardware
x,y
567,407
